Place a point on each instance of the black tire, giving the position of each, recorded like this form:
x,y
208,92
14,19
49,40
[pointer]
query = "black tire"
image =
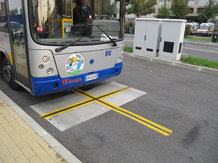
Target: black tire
x,y
8,74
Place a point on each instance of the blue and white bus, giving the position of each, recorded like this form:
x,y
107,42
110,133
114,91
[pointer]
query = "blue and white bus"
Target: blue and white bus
x,y
44,51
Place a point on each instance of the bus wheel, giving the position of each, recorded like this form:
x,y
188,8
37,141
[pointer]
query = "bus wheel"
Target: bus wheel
x,y
8,74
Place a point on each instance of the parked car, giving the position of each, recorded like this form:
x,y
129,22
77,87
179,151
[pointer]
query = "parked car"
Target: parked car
x,y
205,29
193,27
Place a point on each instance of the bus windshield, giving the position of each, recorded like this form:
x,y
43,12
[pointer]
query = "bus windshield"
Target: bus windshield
x,y
63,21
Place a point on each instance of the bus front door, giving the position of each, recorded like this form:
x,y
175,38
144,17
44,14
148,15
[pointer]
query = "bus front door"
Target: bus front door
x,y
18,44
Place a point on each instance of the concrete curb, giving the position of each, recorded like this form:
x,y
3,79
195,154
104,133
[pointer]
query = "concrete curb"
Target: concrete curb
x,y
59,148
173,63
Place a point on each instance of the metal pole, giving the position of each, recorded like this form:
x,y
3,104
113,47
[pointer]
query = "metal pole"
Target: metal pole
x,y
185,8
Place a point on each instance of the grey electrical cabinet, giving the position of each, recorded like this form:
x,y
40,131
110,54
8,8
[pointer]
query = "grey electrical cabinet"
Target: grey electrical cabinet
x,y
172,37
147,36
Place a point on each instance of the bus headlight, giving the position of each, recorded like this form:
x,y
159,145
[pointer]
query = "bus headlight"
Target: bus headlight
x,y
45,59
50,71
42,63
41,66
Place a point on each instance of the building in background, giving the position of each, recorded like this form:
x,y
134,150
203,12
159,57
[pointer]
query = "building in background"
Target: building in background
x,y
196,6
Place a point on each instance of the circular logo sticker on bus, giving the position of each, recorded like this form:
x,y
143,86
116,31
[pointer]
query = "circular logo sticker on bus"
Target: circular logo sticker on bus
x,y
74,64
39,29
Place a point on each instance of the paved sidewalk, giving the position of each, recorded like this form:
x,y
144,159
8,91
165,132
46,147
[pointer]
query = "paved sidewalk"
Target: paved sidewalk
x,y
19,143
23,140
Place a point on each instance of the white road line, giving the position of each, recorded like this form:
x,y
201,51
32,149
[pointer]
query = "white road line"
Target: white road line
x,y
209,51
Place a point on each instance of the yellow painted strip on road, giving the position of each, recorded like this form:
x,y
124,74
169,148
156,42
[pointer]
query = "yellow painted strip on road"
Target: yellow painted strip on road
x,y
70,109
135,119
140,117
131,113
108,94
61,110
91,98
86,94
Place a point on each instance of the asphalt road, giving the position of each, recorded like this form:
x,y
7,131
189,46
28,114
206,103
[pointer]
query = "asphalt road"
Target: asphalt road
x,y
182,100
200,51
194,50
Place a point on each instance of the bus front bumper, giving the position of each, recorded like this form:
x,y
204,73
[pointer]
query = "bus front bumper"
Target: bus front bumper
x,y
48,85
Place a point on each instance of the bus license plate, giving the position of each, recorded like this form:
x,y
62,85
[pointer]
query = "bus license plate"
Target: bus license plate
x,y
91,77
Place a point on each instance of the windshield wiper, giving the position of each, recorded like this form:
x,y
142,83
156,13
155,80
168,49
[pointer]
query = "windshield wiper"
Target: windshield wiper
x,y
114,43
67,45
86,25
71,43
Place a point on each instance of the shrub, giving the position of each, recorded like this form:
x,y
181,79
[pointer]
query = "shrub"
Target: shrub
x,y
187,30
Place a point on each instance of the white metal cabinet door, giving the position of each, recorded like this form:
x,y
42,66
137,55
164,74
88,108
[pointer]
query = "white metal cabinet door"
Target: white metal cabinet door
x,y
140,36
152,37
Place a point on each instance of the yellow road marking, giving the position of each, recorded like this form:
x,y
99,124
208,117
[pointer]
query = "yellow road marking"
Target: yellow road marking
x,y
90,97
152,126
99,99
140,117
85,93
61,110
137,120
112,92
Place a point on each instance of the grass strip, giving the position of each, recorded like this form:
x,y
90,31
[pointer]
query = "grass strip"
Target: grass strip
x,y
199,62
198,39
189,60
128,49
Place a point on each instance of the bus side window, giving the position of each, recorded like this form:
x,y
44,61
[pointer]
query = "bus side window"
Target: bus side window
x,y
3,16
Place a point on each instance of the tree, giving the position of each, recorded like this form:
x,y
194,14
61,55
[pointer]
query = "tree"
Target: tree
x,y
216,8
141,7
148,7
164,12
106,8
209,12
180,8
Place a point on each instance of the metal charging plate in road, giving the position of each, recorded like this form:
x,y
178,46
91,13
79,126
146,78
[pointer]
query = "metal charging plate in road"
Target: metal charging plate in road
x,y
71,110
